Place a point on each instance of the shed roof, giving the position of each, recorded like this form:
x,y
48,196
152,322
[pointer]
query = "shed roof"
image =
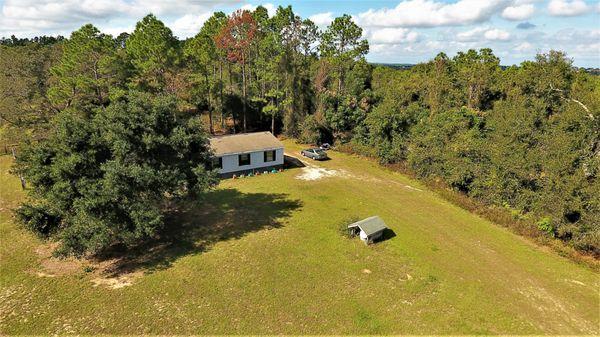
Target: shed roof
x,y
244,142
370,225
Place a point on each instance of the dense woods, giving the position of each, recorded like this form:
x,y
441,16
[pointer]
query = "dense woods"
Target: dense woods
x,y
526,138
100,120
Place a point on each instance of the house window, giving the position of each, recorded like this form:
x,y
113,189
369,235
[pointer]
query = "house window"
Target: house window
x,y
217,163
269,156
244,159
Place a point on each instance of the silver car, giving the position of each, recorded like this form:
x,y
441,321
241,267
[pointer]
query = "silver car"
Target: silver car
x,y
314,153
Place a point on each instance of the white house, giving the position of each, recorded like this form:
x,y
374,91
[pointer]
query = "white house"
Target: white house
x,y
246,152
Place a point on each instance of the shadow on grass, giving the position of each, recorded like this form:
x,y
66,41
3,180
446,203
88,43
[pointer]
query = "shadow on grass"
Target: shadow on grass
x,y
387,235
292,162
193,228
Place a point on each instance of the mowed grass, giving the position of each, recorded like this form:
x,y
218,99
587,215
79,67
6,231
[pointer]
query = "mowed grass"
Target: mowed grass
x,y
266,255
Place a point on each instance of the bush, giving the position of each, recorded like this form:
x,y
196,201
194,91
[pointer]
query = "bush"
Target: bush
x,y
310,130
545,225
343,226
37,219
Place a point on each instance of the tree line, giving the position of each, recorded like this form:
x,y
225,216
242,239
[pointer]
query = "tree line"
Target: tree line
x,y
103,121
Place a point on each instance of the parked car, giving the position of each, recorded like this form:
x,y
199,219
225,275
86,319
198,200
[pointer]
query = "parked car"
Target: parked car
x,y
315,153
325,146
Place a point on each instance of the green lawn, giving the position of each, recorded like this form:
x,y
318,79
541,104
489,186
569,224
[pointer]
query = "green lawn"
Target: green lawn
x,y
265,255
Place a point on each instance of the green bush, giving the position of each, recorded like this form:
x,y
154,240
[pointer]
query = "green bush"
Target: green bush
x,y
37,219
545,225
310,130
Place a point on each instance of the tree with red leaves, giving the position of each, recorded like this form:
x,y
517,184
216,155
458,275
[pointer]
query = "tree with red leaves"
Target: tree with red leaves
x,y
236,40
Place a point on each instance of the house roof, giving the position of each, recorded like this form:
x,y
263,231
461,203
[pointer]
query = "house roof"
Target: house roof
x,y
370,225
244,143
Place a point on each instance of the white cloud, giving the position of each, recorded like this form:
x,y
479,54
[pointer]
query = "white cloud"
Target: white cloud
x,y
189,24
116,30
497,35
271,9
322,19
470,35
567,7
517,13
524,46
431,13
34,17
480,33
392,36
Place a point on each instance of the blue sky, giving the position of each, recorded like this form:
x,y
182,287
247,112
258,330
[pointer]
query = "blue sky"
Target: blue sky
x,y
401,31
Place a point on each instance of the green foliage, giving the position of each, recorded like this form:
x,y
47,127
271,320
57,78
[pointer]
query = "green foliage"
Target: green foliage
x,y
81,76
450,146
108,177
153,51
342,40
310,131
526,138
24,106
545,225
37,219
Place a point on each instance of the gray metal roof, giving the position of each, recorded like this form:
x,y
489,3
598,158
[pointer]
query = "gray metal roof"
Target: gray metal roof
x,y
370,225
244,143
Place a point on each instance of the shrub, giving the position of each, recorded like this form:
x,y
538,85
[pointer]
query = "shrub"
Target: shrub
x,y
37,219
545,225
310,130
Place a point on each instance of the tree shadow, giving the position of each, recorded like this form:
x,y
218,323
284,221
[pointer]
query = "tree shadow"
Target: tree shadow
x,y
193,228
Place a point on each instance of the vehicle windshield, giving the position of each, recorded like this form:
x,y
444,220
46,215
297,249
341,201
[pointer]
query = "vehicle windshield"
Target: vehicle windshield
x,y
319,151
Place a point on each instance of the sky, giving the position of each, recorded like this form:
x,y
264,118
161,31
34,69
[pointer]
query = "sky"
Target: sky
x,y
400,31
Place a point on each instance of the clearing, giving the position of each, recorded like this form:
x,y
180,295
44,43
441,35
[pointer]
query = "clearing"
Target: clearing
x,y
266,255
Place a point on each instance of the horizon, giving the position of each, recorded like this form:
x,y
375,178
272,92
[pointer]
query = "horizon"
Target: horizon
x,y
397,31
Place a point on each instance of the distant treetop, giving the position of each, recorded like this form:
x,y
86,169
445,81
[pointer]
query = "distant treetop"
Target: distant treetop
x,y
42,40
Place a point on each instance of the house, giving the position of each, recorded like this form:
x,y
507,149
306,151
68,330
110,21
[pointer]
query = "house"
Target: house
x,y
246,152
369,229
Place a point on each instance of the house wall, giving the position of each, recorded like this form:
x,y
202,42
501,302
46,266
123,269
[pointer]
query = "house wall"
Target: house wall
x,y
230,162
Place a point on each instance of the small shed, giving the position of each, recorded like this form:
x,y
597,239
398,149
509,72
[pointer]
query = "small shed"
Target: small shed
x,y
369,229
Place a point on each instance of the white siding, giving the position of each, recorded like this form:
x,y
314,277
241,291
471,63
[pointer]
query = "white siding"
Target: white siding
x,y
230,161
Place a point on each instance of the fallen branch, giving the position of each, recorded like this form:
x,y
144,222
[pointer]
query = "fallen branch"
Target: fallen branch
x,y
590,115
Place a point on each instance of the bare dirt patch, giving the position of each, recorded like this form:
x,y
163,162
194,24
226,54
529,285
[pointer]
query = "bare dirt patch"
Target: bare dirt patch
x,y
51,266
311,172
115,282
101,272
316,173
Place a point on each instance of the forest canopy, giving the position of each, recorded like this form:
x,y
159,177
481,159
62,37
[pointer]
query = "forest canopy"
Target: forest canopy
x,y
524,137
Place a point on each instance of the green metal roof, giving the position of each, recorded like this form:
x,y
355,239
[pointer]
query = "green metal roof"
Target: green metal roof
x,y
370,225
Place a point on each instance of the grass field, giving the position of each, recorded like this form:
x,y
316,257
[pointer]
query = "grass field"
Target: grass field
x,y
266,255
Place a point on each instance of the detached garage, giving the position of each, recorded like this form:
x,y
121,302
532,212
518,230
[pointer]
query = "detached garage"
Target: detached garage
x,y
246,152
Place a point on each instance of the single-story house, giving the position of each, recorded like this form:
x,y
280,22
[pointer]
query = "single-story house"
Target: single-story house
x,y
246,152
369,229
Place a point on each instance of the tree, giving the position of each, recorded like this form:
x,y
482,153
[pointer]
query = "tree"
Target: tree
x,y
450,146
477,73
342,43
236,39
80,77
105,180
205,58
25,110
154,52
